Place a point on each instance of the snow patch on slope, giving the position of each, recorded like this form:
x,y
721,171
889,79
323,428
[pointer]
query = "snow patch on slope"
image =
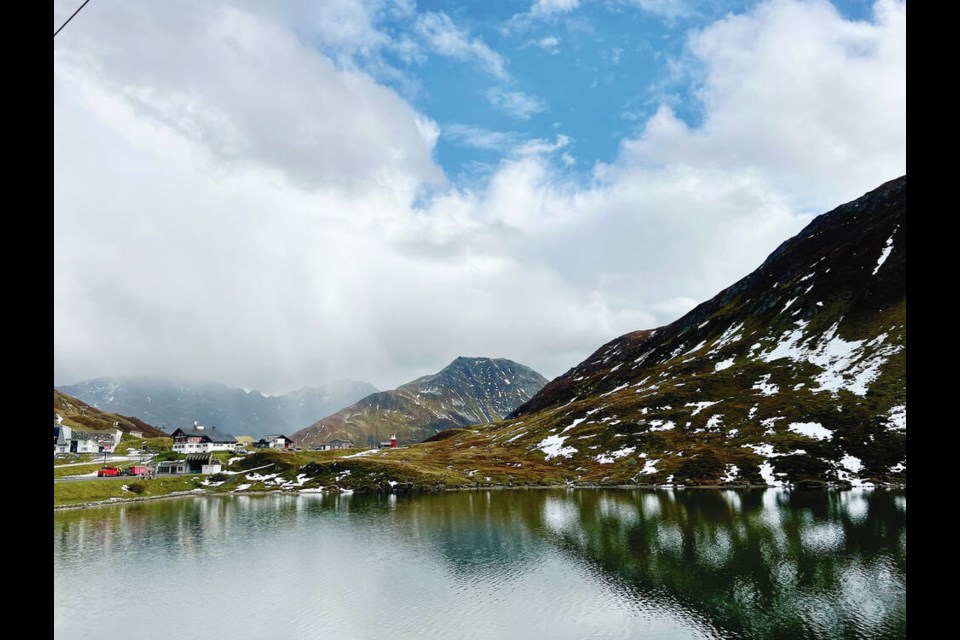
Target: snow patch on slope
x,y
851,463
660,425
846,364
700,406
812,429
715,422
887,248
552,447
723,364
731,472
650,467
897,418
728,336
608,458
572,425
764,386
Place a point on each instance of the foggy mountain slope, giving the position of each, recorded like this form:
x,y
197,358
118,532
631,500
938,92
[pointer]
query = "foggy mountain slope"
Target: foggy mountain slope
x,y
177,403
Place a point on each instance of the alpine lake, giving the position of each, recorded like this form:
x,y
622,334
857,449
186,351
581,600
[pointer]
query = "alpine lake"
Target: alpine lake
x,y
520,563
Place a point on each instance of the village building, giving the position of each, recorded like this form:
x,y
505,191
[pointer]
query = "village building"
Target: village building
x,y
203,463
274,441
341,444
200,439
389,444
71,440
171,467
245,441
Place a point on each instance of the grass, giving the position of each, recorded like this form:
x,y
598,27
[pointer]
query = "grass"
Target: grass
x,y
159,444
83,457
60,472
80,492
411,469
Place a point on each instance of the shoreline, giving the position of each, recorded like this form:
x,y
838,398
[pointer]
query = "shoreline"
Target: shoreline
x,y
499,487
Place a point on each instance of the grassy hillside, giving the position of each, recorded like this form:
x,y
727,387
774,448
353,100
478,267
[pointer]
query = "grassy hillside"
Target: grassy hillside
x,y
468,391
79,415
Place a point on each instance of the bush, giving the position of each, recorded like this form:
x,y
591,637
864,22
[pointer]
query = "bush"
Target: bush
x,y
701,467
217,477
135,487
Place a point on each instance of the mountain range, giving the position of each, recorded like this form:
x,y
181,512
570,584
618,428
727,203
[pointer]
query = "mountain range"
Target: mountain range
x,y
466,392
795,374
171,403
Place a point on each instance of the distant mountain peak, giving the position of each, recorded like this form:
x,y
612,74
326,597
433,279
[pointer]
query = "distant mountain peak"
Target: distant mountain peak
x,y
468,391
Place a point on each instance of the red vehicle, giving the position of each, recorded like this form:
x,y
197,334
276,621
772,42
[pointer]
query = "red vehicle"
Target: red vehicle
x,y
138,471
108,472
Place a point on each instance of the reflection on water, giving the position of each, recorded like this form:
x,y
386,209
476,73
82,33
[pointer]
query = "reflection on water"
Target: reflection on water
x,y
493,564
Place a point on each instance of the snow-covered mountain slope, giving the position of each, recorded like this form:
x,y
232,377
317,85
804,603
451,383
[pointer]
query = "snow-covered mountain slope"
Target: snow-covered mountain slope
x,y
795,374
468,391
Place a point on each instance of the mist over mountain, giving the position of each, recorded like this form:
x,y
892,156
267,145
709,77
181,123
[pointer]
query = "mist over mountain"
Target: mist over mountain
x,y
170,403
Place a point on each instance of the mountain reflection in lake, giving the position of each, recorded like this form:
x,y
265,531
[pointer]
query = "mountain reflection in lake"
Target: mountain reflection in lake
x,y
488,564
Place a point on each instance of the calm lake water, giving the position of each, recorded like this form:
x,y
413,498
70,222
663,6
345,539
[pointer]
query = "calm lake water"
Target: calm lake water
x,y
523,564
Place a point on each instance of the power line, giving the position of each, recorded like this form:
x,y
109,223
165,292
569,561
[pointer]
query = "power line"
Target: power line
x,y
70,18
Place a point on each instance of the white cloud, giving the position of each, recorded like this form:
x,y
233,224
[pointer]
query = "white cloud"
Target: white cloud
x,y
509,143
480,138
540,10
231,204
550,44
445,38
233,83
550,7
813,103
515,103
669,9
537,147
347,25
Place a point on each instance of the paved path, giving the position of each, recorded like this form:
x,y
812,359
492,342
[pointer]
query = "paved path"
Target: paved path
x,y
110,459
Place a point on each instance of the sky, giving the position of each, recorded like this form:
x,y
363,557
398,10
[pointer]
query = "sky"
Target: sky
x,y
276,194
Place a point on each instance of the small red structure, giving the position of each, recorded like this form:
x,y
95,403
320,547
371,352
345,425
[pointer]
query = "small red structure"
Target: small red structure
x,y
138,471
393,441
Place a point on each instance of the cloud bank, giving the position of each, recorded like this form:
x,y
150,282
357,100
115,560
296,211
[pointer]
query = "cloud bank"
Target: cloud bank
x,y
239,195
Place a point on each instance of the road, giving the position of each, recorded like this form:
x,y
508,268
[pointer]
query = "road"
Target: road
x,y
110,459
76,478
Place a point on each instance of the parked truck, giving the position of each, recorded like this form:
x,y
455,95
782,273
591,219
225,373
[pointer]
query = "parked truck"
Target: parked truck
x,y
138,471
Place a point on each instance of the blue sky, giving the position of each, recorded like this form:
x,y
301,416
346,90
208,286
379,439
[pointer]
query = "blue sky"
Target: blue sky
x,y
593,71
273,194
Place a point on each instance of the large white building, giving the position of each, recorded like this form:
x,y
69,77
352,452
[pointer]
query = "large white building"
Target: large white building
x,y
199,439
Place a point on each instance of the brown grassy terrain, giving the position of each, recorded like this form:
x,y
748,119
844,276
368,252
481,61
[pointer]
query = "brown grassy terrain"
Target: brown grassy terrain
x,y
79,415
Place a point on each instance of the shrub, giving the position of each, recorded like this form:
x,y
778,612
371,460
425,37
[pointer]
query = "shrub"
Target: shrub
x,y
135,487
